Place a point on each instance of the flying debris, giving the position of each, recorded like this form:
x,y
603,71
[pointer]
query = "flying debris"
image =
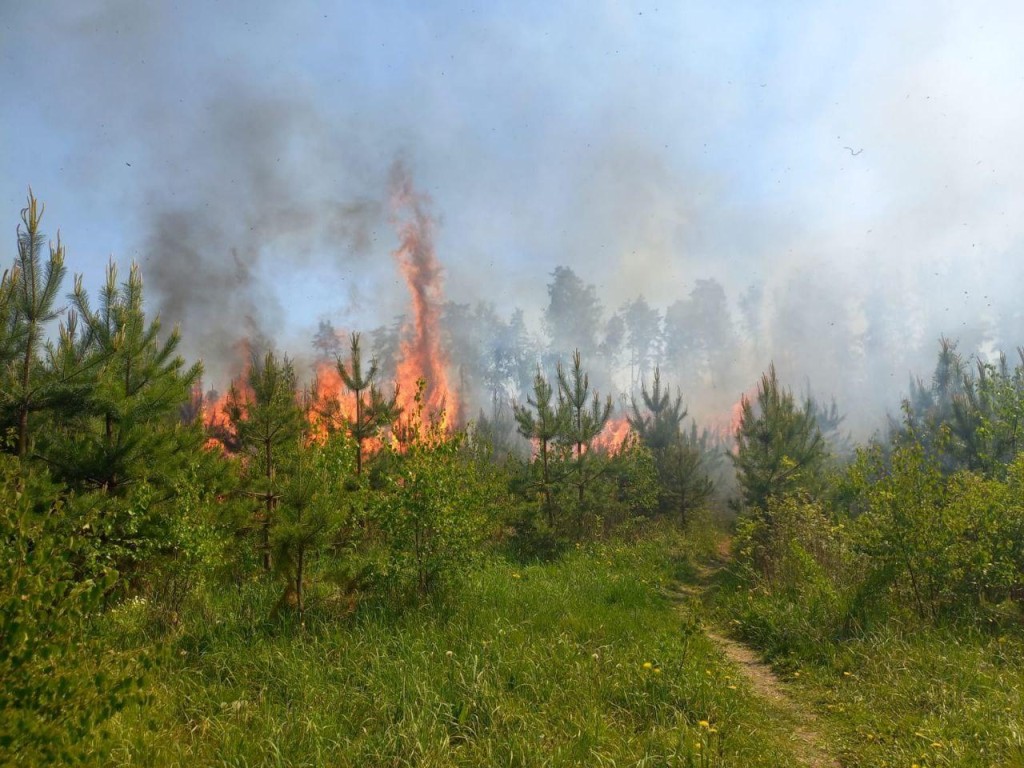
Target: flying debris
x,y
854,153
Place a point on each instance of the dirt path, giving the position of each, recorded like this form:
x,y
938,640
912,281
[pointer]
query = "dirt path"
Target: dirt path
x,y
808,740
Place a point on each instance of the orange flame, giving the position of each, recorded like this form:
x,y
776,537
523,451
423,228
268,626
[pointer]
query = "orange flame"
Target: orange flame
x,y
214,406
613,436
422,356
726,426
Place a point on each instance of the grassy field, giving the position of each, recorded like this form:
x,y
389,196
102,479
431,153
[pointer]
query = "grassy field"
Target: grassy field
x,y
580,662
902,695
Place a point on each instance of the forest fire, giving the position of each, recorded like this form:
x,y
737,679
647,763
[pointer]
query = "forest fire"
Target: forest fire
x,y
422,356
613,436
215,405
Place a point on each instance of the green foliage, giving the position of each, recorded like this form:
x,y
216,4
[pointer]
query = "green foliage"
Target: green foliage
x,y
372,410
431,510
58,686
27,297
966,419
628,488
314,509
122,424
779,448
267,420
943,543
577,662
584,417
543,428
683,484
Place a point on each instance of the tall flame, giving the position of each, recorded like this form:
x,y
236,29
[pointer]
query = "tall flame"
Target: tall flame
x,y
613,437
422,355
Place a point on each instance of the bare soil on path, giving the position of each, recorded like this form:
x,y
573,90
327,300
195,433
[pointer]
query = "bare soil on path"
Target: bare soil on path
x,y
808,741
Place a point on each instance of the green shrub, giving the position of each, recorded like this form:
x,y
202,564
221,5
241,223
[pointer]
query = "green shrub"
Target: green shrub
x,y
56,689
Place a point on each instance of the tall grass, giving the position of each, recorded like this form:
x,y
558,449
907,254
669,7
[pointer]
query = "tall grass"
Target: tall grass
x,y
578,662
903,692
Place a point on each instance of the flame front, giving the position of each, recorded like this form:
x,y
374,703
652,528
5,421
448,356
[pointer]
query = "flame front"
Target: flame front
x,y
613,436
422,355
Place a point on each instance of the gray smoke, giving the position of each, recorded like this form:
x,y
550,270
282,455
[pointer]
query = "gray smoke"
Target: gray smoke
x,y
848,176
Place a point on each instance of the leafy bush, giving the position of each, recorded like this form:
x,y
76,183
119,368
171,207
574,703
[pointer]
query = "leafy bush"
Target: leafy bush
x,y
431,511
941,544
56,690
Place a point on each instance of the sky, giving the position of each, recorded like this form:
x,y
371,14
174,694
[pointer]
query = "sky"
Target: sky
x,y
851,158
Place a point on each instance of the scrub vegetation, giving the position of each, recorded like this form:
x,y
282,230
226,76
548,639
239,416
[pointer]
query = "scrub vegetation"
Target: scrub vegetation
x,y
349,572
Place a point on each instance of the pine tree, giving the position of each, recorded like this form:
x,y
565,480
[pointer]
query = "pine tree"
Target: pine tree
x,y
545,426
267,420
584,418
32,288
573,315
306,516
372,409
779,446
10,330
643,329
118,413
682,482
326,341
660,427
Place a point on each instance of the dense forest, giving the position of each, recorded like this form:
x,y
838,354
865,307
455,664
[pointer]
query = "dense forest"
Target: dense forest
x,y
445,538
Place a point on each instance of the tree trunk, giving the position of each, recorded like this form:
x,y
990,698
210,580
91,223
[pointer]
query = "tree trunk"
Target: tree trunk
x,y
269,511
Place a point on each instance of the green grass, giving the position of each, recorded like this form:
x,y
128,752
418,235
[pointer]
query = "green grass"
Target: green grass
x,y
903,694
578,662
934,697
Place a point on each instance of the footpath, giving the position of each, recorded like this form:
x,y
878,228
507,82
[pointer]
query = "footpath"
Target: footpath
x,y
809,744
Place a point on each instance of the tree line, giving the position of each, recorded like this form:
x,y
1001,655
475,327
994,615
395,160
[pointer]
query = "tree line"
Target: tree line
x,y
115,489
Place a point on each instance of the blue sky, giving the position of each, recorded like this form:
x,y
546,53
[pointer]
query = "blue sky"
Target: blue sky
x,y
644,144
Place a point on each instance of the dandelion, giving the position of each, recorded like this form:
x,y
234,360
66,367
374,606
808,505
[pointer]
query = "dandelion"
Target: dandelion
x,y
657,670
704,724
647,665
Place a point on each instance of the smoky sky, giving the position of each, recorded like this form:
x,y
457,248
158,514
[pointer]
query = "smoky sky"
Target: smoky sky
x,y
857,163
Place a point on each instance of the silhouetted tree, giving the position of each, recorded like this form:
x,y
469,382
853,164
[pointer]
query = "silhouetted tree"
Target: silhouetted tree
x,y
326,341
372,409
643,331
267,419
544,424
584,418
573,315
